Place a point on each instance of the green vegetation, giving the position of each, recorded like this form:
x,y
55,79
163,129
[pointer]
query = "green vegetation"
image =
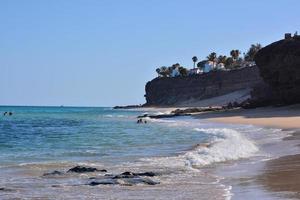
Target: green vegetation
x,y
195,59
252,52
167,71
233,61
212,57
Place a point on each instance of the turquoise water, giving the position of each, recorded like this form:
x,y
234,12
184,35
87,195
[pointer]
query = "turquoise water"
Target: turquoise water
x,y
186,153
79,134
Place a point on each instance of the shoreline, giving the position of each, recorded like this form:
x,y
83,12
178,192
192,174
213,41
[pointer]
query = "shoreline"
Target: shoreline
x,y
287,117
279,176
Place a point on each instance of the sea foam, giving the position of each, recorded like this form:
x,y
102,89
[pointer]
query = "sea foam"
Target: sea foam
x,y
227,144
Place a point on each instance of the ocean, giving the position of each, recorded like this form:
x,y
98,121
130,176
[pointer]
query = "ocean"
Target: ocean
x,y
185,153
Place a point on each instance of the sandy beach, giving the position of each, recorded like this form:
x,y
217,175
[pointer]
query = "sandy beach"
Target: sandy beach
x,y
287,117
280,175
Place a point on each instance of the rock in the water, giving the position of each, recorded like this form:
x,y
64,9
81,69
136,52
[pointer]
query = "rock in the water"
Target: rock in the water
x,y
6,189
133,175
137,180
54,173
146,174
103,182
82,169
279,65
124,181
125,175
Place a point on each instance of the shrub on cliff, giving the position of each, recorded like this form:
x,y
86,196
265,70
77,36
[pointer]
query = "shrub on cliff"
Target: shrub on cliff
x,y
212,57
252,52
235,54
183,71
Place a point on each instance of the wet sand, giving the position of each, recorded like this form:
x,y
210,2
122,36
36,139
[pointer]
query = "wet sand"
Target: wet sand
x,y
282,175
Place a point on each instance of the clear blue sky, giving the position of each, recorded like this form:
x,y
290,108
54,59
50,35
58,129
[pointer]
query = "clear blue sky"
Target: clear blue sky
x,y
102,52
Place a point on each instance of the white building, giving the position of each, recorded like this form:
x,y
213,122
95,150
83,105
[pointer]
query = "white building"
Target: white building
x,y
220,66
175,72
209,66
194,71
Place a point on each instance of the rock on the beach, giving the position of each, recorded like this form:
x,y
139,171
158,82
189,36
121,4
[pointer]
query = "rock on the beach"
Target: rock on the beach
x,y
6,189
54,173
82,169
125,175
124,181
104,182
132,175
146,174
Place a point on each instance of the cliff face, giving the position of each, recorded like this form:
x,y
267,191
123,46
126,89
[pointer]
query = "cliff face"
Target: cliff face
x,y
173,91
279,65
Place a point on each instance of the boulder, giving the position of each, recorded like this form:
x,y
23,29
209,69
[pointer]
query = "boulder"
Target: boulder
x,y
279,66
82,169
54,173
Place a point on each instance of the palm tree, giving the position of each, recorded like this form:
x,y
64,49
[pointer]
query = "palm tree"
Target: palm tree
x,y
201,64
158,71
252,52
195,59
183,71
222,59
229,61
235,54
164,71
212,56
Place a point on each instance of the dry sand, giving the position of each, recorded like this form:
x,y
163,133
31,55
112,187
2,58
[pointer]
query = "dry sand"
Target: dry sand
x,y
287,117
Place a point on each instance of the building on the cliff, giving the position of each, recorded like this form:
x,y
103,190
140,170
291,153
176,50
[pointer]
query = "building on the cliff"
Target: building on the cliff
x,y
194,71
247,64
220,66
208,66
175,72
287,36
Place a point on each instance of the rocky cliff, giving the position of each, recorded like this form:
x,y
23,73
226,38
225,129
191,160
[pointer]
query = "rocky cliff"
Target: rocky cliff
x,y
175,91
279,65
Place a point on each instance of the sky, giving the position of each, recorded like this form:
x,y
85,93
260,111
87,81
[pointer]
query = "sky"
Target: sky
x,y
102,52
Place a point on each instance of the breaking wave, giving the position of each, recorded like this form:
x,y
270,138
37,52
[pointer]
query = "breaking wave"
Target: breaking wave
x,y
225,145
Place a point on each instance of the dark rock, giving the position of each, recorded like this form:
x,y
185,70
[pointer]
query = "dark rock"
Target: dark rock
x,y
56,186
124,181
196,110
229,106
134,175
128,107
165,115
279,65
146,174
108,175
137,180
125,175
54,173
6,189
82,169
103,182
